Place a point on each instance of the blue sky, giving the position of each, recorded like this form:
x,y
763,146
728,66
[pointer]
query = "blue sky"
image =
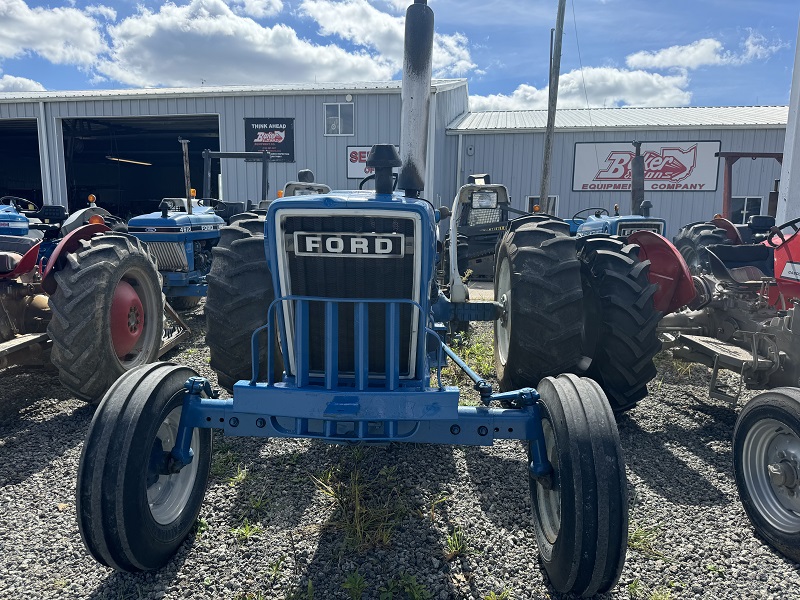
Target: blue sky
x,y
615,52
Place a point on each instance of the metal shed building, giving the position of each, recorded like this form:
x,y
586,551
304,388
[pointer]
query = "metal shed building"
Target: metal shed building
x,y
328,120
509,146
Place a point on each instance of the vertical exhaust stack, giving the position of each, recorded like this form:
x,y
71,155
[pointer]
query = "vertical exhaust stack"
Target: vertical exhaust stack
x,y
416,96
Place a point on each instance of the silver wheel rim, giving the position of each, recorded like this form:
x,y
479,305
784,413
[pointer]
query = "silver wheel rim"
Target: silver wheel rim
x,y
503,327
169,495
549,501
771,443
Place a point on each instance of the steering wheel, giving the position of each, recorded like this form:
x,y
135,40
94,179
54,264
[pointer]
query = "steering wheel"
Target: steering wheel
x,y
778,231
598,209
19,203
211,202
371,176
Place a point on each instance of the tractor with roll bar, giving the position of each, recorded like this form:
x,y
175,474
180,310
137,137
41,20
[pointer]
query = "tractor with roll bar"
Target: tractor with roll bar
x,y
325,322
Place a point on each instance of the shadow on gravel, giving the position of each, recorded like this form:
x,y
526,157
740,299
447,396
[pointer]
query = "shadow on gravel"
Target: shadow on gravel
x,y
647,454
38,422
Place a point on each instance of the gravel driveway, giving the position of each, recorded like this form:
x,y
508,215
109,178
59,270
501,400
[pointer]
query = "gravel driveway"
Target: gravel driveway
x,y
277,519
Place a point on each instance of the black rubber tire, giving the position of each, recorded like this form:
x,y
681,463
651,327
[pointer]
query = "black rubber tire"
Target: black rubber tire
x,y
83,351
245,216
692,239
239,293
541,332
772,416
183,302
115,519
620,320
584,550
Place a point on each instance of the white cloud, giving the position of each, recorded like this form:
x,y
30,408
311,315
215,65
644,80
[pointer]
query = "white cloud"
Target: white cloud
x,y
259,8
360,23
705,52
108,13
605,86
205,40
9,83
60,35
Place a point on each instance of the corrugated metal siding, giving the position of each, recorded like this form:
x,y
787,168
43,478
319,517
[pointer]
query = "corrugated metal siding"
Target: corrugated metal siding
x,y
516,161
450,105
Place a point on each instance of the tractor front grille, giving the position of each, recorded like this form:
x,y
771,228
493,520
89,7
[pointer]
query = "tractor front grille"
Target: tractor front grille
x,y
170,256
316,259
627,228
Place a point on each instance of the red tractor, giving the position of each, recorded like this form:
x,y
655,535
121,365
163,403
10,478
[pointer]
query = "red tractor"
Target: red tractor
x,y
86,296
738,313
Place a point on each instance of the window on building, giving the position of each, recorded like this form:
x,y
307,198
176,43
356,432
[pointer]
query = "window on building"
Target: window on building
x,y
339,119
550,207
743,207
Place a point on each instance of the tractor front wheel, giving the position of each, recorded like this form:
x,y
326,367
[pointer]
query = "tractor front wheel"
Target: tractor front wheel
x,y
108,313
133,511
619,328
766,461
239,294
581,510
538,283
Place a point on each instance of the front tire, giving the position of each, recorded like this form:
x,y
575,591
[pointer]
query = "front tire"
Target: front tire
x,y
766,461
538,282
239,294
108,313
620,320
131,515
581,519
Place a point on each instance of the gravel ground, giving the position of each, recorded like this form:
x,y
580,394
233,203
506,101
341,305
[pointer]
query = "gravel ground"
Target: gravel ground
x,y
268,529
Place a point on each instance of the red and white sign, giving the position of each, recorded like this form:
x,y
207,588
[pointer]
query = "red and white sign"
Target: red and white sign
x,y
357,162
668,166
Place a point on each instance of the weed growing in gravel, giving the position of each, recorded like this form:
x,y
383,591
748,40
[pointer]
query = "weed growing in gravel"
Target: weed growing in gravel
x,y
635,589
354,585
661,594
201,526
276,568
223,460
642,538
60,584
477,350
504,595
715,569
440,499
259,504
241,475
456,544
300,594
246,530
368,506
388,591
414,589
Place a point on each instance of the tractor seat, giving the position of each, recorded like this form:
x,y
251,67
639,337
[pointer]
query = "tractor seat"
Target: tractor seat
x,y
9,262
743,266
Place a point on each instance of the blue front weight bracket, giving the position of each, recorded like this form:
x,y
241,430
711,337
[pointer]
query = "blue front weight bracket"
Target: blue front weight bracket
x,y
340,416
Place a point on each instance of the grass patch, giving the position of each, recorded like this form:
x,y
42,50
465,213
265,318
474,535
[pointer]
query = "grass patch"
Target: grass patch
x,y
354,585
246,530
368,505
223,461
456,544
239,477
643,539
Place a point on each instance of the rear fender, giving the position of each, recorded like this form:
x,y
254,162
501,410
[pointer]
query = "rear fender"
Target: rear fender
x,y
730,230
26,263
69,243
787,265
668,271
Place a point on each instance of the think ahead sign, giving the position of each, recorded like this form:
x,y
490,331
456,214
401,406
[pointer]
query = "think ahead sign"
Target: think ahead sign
x,y
272,135
668,166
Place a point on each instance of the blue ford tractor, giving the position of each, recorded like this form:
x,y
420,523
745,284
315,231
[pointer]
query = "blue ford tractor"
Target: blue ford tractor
x,y
324,320
72,288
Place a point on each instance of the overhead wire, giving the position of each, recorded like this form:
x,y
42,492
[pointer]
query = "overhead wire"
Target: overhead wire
x,y
583,80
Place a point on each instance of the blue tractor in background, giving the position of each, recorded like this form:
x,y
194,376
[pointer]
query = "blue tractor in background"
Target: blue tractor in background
x,y
601,221
325,321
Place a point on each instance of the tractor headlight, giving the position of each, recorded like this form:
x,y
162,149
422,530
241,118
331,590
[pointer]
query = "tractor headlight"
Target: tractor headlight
x,y
484,200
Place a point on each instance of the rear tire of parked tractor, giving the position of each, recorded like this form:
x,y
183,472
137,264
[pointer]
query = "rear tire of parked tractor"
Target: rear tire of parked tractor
x,y
692,240
538,281
766,462
620,321
132,514
183,302
108,313
239,294
581,514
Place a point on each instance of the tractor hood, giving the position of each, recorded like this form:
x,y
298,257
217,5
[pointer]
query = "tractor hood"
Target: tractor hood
x,y
175,222
623,225
11,222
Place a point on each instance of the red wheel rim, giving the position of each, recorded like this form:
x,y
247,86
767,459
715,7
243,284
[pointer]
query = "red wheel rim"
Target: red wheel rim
x,y
127,319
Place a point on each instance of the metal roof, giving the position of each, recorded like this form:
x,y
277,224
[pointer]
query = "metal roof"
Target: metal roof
x,y
623,118
437,85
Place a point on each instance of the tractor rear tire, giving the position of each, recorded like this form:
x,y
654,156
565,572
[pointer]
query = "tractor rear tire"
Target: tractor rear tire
x,y
132,515
538,280
620,320
93,342
239,293
580,514
183,302
692,239
767,438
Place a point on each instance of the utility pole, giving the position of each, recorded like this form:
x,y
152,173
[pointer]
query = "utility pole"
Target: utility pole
x,y
555,71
